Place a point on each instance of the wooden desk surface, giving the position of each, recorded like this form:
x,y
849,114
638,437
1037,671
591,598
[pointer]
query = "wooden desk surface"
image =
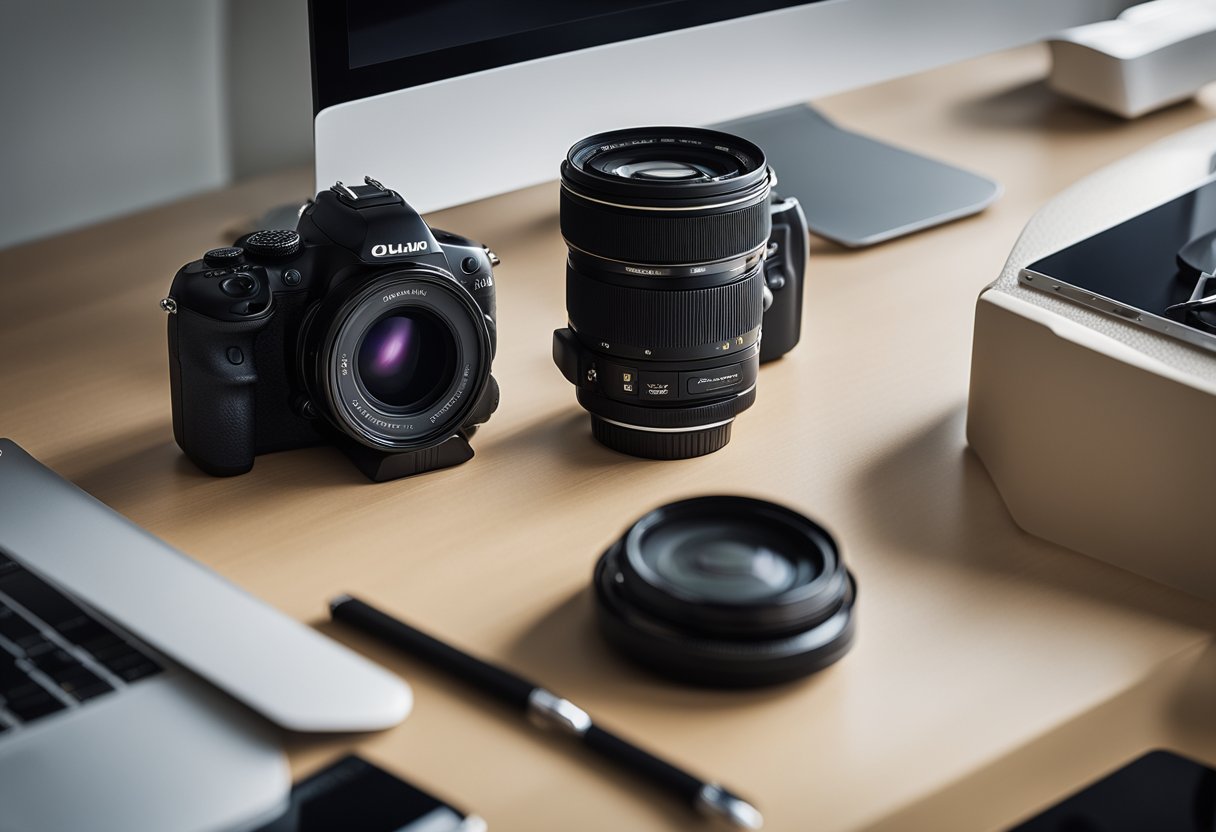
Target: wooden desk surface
x,y
977,643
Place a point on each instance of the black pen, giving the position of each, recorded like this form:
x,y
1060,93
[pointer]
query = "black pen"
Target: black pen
x,y
547,710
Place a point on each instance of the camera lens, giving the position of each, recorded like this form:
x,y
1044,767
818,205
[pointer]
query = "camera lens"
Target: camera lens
x,y
405,360
396,360
726,591
666,228
721,562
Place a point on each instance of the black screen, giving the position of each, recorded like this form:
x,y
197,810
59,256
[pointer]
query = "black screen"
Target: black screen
x,y
364,47
1159,792
352,795
1136,263
378,32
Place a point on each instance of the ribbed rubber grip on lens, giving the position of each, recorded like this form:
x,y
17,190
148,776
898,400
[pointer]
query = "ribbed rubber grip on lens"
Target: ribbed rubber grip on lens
x,y
661,318
663,237
648,445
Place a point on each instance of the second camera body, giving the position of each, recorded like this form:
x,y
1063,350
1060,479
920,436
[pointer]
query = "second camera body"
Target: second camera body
x,y
364,327
680,257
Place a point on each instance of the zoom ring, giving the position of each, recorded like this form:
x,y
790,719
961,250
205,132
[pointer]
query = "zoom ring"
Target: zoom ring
x,y
663,318
656,238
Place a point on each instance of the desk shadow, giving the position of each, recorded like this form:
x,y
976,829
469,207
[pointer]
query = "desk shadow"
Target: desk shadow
x,y
1191,716
1034,107
140,464
130,467
564,651
565,440
923,519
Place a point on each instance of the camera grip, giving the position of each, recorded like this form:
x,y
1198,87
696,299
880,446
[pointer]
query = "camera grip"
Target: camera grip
x,y
212,377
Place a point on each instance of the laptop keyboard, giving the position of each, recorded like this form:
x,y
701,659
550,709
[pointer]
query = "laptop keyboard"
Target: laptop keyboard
x,y
53,655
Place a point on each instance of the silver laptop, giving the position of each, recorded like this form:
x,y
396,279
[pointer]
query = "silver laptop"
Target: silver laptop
x,y
138,689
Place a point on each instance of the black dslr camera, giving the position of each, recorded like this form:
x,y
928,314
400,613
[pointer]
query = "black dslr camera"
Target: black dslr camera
x,y
364,326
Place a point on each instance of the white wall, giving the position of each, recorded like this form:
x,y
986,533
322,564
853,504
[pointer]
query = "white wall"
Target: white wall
x,y
110,107
268,85
106,107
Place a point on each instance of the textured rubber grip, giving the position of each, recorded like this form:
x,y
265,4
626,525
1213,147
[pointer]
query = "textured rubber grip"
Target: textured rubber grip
x,y
661,237
659,318
213,393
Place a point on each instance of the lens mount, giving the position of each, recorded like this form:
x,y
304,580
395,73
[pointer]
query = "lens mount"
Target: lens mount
x,y
664,432
726,591
399,359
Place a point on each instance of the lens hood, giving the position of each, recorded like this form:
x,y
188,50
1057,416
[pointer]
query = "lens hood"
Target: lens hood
x,y
726,592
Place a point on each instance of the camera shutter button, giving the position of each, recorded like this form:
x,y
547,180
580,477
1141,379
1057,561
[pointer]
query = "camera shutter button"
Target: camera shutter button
x,y
274,243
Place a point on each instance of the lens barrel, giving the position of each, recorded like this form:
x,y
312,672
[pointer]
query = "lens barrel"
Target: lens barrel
x,y
667,228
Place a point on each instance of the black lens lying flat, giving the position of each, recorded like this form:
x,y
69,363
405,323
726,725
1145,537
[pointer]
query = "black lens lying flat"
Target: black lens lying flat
x,y
726,591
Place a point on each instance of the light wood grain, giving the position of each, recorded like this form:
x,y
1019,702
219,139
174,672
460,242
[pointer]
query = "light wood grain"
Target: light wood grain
x,y
974,638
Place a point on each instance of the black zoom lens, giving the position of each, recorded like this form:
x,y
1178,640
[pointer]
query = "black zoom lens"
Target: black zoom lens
x,y
667,229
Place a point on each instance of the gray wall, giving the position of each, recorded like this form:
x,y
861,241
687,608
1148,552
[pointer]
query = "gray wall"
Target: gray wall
x,y
106,108
268,85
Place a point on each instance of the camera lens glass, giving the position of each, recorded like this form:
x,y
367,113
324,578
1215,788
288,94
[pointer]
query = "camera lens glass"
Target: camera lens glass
x,y
396,361
724,562
727,591
667,229
658,161
405,360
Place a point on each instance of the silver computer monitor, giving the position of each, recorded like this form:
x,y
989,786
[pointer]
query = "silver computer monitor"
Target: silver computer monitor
x,y
455,101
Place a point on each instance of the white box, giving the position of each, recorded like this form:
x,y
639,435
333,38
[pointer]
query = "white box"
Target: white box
x,y
1101,435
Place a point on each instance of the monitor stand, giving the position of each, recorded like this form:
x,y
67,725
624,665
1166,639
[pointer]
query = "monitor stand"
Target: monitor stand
x,y
855,190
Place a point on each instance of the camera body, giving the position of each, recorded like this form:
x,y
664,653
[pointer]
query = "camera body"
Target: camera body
x,y
271,340
785,277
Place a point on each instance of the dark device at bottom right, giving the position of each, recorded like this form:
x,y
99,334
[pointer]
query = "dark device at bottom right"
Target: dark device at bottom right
x,y
1159,792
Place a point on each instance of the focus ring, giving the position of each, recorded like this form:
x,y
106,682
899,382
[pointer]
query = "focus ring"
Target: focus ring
x,y
663,318
663,237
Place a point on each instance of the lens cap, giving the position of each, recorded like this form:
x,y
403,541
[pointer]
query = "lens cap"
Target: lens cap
x,y
726,592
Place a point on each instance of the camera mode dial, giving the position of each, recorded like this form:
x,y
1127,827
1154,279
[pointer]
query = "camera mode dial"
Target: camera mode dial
x,y
273,243
225,256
